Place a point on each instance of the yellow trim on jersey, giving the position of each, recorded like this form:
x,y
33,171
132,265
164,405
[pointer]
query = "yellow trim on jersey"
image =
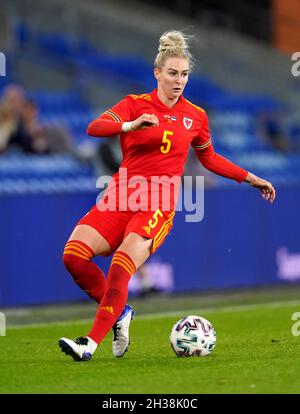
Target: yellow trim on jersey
x,y
105,113
200,147
147,230
195,106
145,96
163,231
158,242
113,115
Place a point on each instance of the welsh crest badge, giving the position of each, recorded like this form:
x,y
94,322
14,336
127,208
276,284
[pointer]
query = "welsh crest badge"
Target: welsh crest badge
x,y
187,122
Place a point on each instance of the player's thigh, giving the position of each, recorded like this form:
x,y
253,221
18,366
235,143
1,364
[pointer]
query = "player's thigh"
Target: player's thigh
x,y
102,230
145,233
92,238
137,247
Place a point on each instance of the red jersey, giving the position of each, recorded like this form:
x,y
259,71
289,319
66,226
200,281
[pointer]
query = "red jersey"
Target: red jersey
x,y
161,151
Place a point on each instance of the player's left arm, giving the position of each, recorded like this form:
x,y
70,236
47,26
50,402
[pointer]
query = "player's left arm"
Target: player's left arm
x,y
222,166
265,187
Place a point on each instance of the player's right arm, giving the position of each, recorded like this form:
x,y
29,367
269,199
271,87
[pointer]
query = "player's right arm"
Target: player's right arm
x,y
144,121
120,118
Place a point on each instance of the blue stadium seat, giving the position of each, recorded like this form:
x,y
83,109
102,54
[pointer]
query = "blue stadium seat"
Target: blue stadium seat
x,y
232,115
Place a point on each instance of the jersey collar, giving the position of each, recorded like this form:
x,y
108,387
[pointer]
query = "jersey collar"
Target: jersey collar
x,y
161,105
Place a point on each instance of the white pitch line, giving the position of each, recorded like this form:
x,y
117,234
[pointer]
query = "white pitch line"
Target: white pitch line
x,y
225,309
179,313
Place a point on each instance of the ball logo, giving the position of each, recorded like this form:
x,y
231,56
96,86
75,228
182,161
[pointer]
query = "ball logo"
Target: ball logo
x,y
187,122
193,336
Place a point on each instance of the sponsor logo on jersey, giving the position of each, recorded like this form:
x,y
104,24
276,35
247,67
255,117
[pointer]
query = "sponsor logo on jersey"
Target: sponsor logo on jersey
x,y
147,230
187,122
108,309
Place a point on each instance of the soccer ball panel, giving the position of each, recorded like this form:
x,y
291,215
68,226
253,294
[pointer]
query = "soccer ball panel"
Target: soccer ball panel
x,y
193,336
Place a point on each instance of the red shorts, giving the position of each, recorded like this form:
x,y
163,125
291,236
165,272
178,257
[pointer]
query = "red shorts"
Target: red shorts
x,y
114,226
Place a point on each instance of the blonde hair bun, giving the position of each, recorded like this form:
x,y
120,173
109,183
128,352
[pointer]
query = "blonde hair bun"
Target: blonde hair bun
x,y
173,39
173,44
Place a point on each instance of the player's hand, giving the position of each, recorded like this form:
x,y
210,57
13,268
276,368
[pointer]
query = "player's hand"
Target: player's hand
x,y
145,121
265,187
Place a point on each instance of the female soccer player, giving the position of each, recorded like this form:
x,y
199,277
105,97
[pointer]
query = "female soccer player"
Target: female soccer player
x,y
156,131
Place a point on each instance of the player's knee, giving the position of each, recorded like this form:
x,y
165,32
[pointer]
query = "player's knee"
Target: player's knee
x,y
76,267
76,255
74,263
68,261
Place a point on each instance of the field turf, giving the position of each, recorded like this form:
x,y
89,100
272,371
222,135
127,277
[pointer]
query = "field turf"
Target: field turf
x,y
255,353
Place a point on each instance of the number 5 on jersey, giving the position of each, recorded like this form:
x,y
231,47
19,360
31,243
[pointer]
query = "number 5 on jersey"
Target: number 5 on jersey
x,y
167,142
153,223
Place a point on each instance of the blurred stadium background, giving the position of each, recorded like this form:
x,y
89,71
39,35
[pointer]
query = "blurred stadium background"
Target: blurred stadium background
x,y
72,60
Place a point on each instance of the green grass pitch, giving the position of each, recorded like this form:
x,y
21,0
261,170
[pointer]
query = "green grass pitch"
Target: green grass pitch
x,y
255,353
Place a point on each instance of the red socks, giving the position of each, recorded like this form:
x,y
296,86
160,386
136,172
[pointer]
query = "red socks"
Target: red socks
x,y
115,297
77,259
111,295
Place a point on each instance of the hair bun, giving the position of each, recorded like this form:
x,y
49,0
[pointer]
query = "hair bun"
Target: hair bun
x,y
173,44
172,40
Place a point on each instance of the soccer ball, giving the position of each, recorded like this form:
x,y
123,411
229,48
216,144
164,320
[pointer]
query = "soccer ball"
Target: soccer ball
x,y
193,336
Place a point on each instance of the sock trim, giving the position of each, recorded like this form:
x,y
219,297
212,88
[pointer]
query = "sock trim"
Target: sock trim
x,y
78,249
82,246
71,248
125,261
71,252
120,263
